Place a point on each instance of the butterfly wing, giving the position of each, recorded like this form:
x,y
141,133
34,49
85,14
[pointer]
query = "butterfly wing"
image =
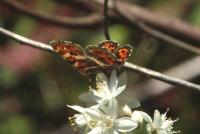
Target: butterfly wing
x,y
102,57
74,54
68,50
109,45
122,53
105,57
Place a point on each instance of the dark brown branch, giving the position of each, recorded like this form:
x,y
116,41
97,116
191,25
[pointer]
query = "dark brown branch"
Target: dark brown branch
x,y
156,33
174,26
133,67
85,5
170,25
93,20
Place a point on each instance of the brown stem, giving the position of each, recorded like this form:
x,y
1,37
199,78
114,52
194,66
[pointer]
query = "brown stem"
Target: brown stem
x,y
106,31
170,25
156,33
92,20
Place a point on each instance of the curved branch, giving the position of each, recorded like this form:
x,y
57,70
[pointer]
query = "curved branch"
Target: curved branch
x,y
174,26
170,25
92,20
86,5
133,67
155,32
169,39
153,87
161,77
95,20
26,41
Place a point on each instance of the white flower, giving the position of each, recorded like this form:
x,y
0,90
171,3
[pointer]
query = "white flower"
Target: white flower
x,y
161,124
103,121
106,90
138,116
78,119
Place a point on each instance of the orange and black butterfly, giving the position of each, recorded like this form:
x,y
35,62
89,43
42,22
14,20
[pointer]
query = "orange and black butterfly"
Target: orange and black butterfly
x,y
102,58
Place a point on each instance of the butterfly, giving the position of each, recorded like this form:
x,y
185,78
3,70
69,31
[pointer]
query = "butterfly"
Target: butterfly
x,y
103,57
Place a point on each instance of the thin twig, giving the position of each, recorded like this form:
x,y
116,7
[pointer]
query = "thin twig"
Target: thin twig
x,y
92,20
105,17
162,77
133,67
25,41
154,87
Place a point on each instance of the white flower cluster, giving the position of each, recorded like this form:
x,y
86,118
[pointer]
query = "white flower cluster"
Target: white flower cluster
x,y
104,116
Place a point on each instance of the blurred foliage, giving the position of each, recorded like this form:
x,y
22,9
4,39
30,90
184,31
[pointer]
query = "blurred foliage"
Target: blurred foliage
x,y
24,25
17,125
8,78
34,91
195,15
119,33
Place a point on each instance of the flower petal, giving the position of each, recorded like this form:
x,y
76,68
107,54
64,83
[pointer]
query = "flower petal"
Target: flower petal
x,y
113,81
80,120
97,130
86,97
146,117
97,95
139,116
128,99
125,124
119,90
103,90
93,113
127,110
115,132
110,131
122,79
157,119
77,108
111,108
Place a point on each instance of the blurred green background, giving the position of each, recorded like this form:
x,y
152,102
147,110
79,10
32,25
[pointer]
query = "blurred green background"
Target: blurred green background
x,y
35,85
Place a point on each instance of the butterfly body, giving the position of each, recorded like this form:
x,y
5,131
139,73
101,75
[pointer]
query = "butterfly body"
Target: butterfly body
x,y
102,58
